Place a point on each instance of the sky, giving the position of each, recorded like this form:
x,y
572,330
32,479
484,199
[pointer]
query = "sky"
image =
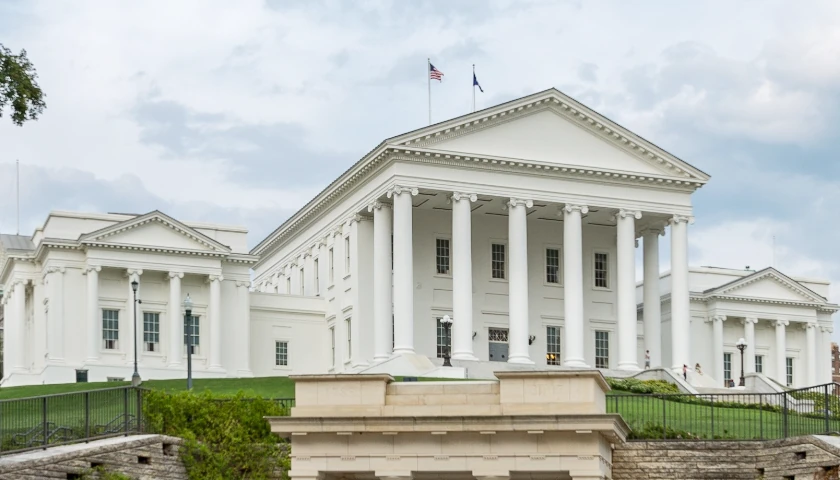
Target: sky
x,y
240,112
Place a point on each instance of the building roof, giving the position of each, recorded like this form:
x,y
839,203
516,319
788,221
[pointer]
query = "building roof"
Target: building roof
x,y
16,242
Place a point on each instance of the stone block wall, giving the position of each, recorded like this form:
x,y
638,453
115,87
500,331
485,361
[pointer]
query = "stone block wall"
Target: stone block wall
x,y
798,458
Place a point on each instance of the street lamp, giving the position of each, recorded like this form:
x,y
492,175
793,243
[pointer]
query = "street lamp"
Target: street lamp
x,y
135,377
188,306
742,345
446,321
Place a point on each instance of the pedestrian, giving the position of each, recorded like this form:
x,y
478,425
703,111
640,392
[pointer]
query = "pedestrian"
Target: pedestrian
x,y
647,359
685,372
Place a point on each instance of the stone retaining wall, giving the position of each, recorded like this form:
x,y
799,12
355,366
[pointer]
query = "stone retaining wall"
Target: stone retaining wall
x,y
792,459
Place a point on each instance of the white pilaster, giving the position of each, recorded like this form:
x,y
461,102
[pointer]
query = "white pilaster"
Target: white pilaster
x,y
825,354
244,328
382,286
462,287
55,316
135,329
215,321
176,318
717,346
811,352
781,352
15,328
94,319
308,274
518,282
626,288
573,285
403,269
680,316
652,306
749,337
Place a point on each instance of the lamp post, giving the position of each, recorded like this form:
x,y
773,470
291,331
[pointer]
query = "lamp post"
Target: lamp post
x,y
188,306
742,345
446,321
135,377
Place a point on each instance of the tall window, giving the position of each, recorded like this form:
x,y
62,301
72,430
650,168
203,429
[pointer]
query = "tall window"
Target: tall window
x,y
552,346
346,255
727,367
602,349
348,326
602,279
759,364
332,346
552,265
789,371
110,329
151,331
497,262
281,353
302,281
442,256
444,341
317,279
331,265
191,333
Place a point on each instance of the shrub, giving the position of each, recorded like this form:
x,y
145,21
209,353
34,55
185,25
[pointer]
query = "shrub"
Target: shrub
x,y
642,386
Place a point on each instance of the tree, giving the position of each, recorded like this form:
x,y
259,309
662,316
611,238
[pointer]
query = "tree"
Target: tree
x,y
18,87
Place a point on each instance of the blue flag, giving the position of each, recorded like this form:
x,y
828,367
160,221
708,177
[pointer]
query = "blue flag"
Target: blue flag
x,y
475,83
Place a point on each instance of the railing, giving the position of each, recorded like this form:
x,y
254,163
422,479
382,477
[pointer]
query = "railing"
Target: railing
x,y
39,422
730,416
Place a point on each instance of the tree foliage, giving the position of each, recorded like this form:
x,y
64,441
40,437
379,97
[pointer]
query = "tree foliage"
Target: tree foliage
x,y
19,88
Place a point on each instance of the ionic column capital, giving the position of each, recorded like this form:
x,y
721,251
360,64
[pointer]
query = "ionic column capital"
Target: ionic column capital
x,y
400,189
623,213
214,278
653,231
716,318
569,208
178,275
747,320
56,270
519,202
687,219
470,197
808,326
245,284
827,329
133,271
781,323
91,268
377,205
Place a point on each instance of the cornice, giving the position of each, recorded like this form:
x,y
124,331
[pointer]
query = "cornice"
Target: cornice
x,y
153,217
703,298
771,275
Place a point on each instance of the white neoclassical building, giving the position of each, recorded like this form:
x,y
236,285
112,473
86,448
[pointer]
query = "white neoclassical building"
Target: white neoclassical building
x,y
519,222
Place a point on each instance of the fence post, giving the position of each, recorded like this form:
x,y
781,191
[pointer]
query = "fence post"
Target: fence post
x,y
713,417
785,415
125,410
825,409
760,416
664,421
139,409
44,412
87,414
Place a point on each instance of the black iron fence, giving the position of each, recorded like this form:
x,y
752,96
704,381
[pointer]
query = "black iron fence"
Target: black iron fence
x,y
730,416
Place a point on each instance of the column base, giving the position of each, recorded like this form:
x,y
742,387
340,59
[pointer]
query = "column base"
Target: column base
x,y
575,363
468,356
403,351
520,360
381,357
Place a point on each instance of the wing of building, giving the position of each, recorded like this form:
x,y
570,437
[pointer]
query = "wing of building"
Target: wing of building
x,y
518,224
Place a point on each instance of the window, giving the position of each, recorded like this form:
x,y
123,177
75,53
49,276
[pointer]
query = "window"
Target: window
x,y
289,285
497,263
346,255
281,354
602,279
317,279
759,364
552,265
602,349
442,256
348,326
789,368
151,331
332,346
727,367
331,265
191,333
444,341
552,346
302,282
110,329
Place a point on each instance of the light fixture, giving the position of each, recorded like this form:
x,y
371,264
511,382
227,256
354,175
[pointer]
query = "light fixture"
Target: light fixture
x,y
741,345
446,321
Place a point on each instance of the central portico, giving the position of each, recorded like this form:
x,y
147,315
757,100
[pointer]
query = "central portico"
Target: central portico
x,y
520,222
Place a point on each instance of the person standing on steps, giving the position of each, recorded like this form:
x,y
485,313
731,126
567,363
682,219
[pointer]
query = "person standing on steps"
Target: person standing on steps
x,y
647,359
685,372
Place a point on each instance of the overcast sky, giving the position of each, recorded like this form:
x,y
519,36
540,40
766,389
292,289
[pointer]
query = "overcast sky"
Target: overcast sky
x,y
240,112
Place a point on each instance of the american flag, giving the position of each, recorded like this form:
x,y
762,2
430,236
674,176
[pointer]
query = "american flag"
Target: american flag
x,y
434,73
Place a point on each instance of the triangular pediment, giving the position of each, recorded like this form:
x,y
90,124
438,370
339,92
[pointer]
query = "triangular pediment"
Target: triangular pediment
x,y
553,129
155,230
769,284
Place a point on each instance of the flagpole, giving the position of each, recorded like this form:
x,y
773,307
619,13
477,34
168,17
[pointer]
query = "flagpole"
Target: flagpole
x,y
473,88
429,85
17,191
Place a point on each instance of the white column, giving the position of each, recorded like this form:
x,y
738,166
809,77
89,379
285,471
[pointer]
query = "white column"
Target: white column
x,y
244,328
215,321
94,319
134,324
680,315
309,274
573,285
403,269
811,352
55,315
382,294
518,281
462,286
717,347
781,352
749,337
626,288
825,354
176,318
14,326
652,306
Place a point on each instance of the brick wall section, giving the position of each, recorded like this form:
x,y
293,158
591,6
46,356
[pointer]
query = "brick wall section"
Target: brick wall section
x,y
121,455
775,460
